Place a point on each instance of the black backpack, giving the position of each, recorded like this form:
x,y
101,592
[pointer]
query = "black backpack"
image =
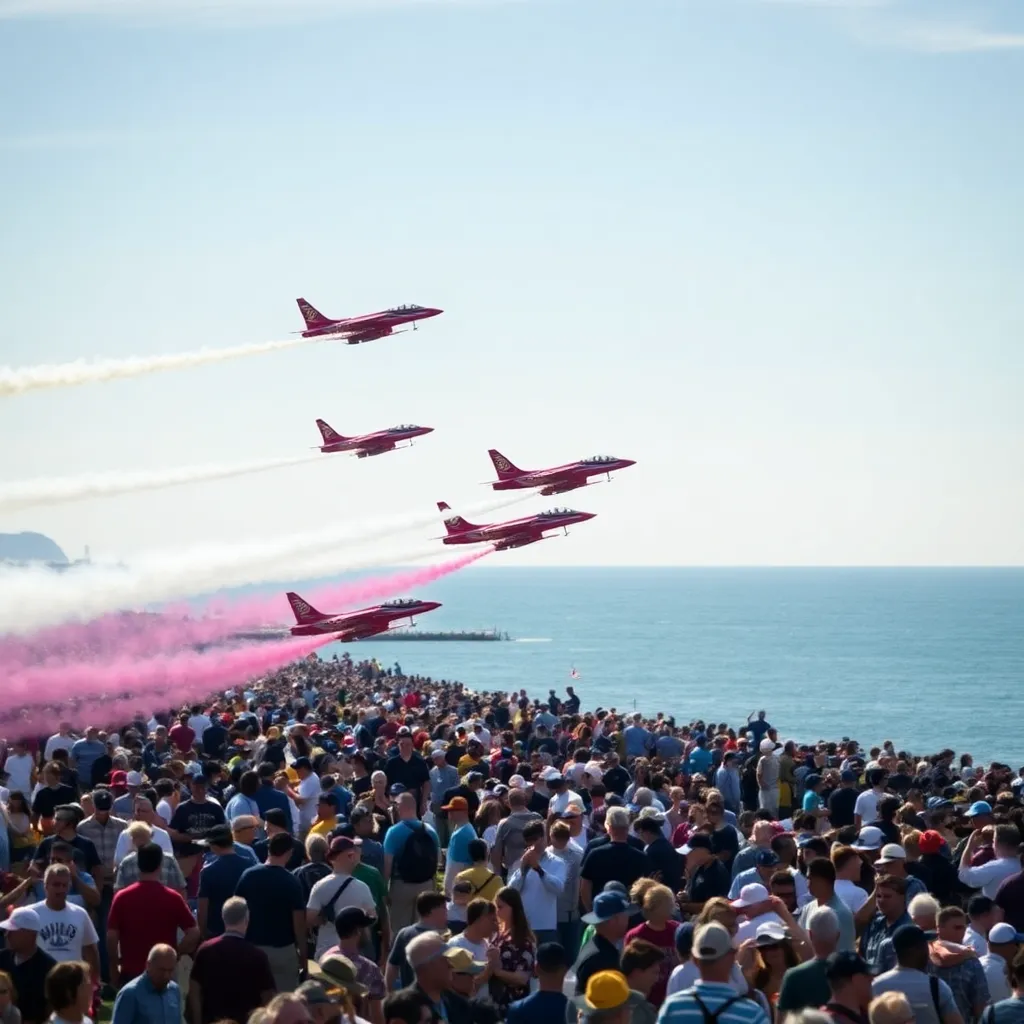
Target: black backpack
x,y
418,860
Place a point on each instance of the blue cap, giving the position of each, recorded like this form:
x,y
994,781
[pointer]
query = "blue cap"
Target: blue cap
x,y
979,807
608,905
848,776
766,859
684,940
395,788
938,803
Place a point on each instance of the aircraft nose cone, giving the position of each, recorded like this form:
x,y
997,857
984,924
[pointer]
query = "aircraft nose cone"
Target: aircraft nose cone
x,y
627,462
427,430
584,516
429,606
434,312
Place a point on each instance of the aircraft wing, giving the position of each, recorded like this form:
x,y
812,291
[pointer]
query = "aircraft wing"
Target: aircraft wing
x,y
375,449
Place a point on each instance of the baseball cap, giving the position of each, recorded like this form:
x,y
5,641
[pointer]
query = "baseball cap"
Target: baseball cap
x,y
608,905
891,852
439,752
845,964
848,776
606,990
302,762
770,933
711,942
749,894
517,782
766,859
350,918
131,779
342,844
22,919
219,835
938,803
1004,932
119,778
699,841
979,807
457,803
869,838
102,800
395,788
930,841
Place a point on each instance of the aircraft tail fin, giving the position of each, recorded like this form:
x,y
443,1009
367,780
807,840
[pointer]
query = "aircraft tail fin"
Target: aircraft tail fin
x,y
313,317
328,433
304,612
504,468
453,523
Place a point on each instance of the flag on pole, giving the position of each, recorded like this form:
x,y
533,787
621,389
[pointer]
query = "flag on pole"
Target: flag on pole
x,y
573,674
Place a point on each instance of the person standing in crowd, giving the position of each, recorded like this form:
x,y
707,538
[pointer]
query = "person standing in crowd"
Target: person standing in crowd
x,y
69,992
548,1004
144,915
540,880
152,997
25,962
230,976
508,842
411,850
66,932
277,913
338,891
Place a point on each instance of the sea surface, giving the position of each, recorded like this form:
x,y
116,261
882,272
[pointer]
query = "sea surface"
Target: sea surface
x,y
928,658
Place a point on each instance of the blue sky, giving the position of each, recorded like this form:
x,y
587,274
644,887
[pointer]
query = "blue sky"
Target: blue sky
x,y
771,250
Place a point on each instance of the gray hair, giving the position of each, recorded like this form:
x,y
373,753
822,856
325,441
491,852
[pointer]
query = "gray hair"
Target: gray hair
x,y
823,923
924,904
316,848
643,797
235,912
159,950
617,818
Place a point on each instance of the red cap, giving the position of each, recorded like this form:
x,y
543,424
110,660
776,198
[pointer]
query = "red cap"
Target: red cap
x,y
119,778
930,842
457,803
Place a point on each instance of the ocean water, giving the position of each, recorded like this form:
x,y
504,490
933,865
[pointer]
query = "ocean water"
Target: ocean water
x,y
926,657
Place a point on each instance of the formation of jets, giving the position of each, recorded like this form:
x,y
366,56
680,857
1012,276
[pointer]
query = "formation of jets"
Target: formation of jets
x,y
503,536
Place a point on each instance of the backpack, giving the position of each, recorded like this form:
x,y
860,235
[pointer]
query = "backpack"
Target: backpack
x,y
418,860
483,885
328,909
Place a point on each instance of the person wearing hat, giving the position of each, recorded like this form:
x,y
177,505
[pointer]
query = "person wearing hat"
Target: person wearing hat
x,y
930,998
1003,945
610,919
324,1004
706,875
849,981
429,957
766,863
768,772
338,971
466,981
353,926
461,834
338,890
892,861
103,830
26,963
607,998
218,879
713,995
988,877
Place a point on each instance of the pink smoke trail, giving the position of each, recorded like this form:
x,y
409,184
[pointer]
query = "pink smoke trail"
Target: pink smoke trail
x,y
30,694
142,635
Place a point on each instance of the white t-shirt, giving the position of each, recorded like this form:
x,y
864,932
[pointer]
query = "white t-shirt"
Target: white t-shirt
x,y
199,724
125,845
165,810
64,933
356,894
309,790
19,771
57,742
867,807
478,949
851,894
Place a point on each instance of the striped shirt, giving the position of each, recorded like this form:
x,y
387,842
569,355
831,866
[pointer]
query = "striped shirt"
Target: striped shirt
x,y
684,1008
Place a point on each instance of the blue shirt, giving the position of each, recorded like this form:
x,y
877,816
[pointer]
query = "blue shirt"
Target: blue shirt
x,y
638,741
699,761
458,844
239,805
539,1008
85,753
217,883
683,1008
273,895
812,801
395,837
267,797
139,1003
669,747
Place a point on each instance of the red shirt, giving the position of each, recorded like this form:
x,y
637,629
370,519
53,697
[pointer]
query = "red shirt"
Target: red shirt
x,y
144,915
665,940
182,737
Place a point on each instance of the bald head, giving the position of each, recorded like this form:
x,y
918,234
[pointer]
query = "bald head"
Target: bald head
x,y
161,965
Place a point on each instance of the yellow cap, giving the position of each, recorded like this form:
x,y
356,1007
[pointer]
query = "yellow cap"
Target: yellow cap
x,y
606,990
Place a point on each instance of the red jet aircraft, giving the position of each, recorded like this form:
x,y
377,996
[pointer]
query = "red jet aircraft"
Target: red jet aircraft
x,y
557,480
377,443
515,533
357,329
358,624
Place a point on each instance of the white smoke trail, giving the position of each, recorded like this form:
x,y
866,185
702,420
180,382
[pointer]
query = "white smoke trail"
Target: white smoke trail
x,y
18,380
28,493
33,597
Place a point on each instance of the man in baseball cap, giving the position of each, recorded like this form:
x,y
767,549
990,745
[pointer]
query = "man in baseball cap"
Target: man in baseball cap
x,y
26,963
